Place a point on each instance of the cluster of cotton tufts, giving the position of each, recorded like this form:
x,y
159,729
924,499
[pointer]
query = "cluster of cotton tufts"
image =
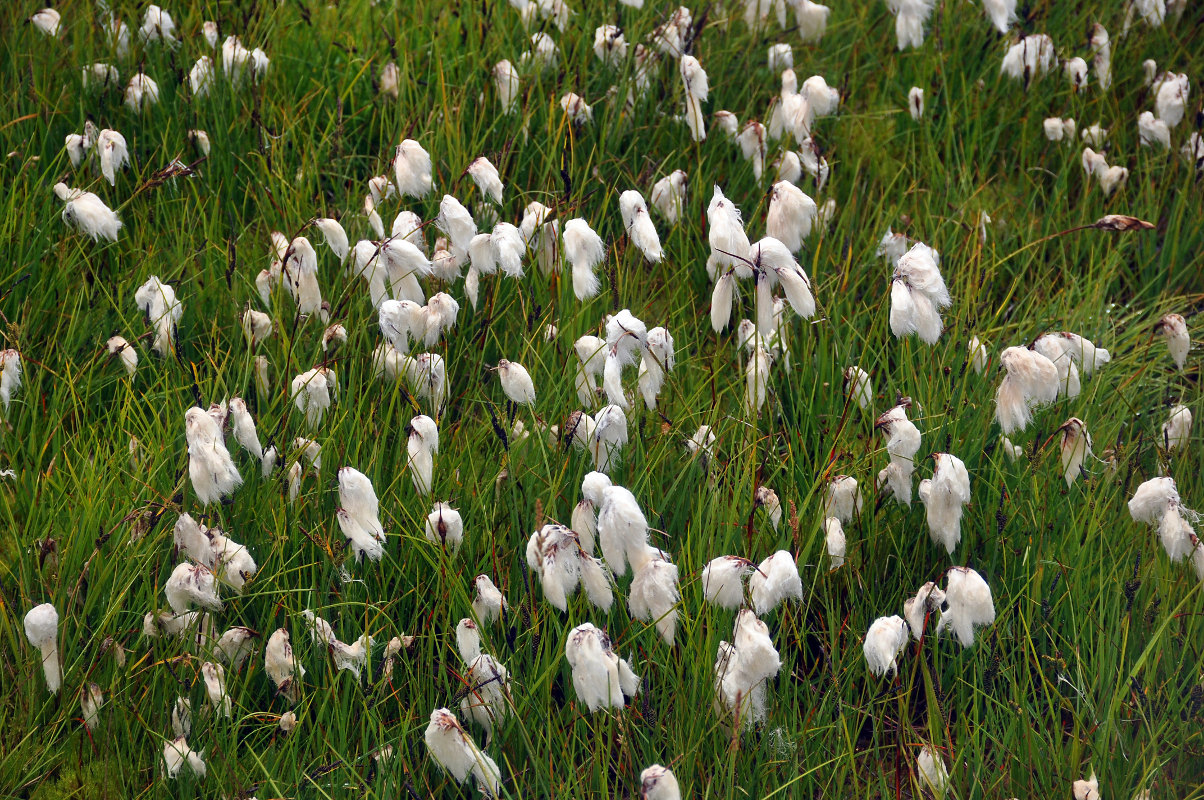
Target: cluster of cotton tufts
x,y
945,496
653,594
910,18
774,581
158,301
1030,57
359,515
230,561
487,702
177,753
555,555
210,466
192,584
791,215
902,444
1059,129
312,392
455,751
87,213
1031,381
742,669
1156,503
1109,177
350,657
918,295
601,678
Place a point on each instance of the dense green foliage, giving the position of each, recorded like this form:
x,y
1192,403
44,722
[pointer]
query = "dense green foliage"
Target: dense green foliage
x,y
1095,661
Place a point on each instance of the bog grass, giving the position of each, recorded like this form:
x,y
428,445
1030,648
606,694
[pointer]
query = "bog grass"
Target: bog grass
x,y
1095,660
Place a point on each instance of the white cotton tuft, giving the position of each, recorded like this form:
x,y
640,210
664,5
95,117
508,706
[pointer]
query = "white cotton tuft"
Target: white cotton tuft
x,y
669,195
1030,57
915,103
88,214
653,594
485,175
884,641
1173,328
944,497
1176,431
726,237
584,250
622,528
932,771
1001,12
791,215
928,600
842,498
1031,381
516,382
694,78
918,294
834,542
638,225
658,360
210,466
775,581
490,604
445,527
968,605
412,169
600,678
41,629
506,79
192,584
723,581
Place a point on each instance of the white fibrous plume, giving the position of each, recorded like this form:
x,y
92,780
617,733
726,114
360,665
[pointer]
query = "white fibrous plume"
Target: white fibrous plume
x,y
576,109
1001,12
601,679
902,444
884,641
910,18
968,605
1173,328
727,123
412,169
756,378
723,581
722,298
490,604
834,542
1087,789
505,77
554,555
177,753
455,221
945,496
1031,381
243,426
742,668
359,515
10,377
1056,349
1057,129
1156,503
350,657
659,783
311,393
487,702
977,352
234,646
1029,58
658,359
214,676
509,247
47,22
158,301
858,387
893,246
87,213
812,19
609,45
753,146
455,751
671,37
90,700
775,581
842,498
774,266
622,526
516,382
791,215
210,466
933,774
485,175
780,57
669,194
928,600
1075,447
114,154
767,499
918,295
42,630
584,250
1151,130
702,445
335,237
653,593
638,224
1076,73
444,527
256,327
1176,431
1101,49
282,667
300,273
142,91
726,236
1170,97
591,354
192,584
915,103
